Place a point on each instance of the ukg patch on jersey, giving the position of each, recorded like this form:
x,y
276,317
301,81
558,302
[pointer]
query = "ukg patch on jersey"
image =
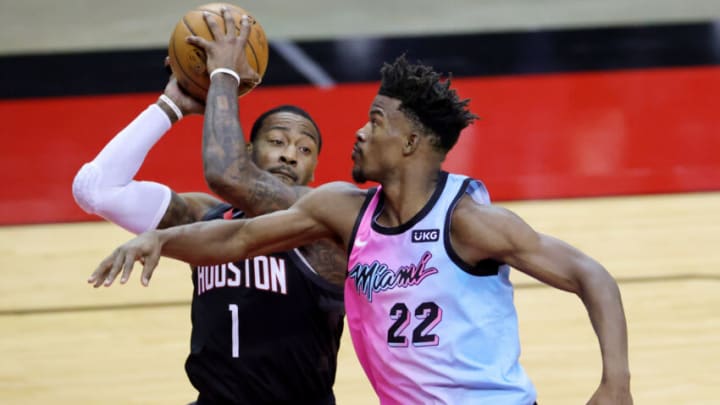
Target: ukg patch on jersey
x,y
425,235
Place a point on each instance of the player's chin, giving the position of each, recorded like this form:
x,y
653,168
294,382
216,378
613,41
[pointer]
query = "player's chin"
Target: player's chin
x,y
290,181
358,175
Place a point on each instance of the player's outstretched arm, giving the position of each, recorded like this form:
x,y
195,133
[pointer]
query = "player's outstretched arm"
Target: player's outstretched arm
x,y
210,242
481,232
221,241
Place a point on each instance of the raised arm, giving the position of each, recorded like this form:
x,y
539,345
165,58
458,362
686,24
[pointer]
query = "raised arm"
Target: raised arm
x,y
106,186
480,232
229,169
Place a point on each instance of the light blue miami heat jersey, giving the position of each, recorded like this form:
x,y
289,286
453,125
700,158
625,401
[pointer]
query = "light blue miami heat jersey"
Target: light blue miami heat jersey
x,y
426,327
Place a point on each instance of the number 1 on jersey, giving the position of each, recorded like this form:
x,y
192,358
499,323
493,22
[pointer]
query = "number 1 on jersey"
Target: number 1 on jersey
x,y
235,330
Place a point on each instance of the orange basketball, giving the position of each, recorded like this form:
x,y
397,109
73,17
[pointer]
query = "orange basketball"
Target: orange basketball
x,y
188,61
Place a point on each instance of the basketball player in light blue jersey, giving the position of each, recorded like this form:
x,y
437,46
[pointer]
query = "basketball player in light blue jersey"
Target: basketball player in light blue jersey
x,y
449,330
428,299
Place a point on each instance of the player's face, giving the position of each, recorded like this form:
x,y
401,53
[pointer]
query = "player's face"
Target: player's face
x,y
379,143
287,147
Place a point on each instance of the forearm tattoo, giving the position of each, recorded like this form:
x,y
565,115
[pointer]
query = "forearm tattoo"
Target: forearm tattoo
x,y
225,157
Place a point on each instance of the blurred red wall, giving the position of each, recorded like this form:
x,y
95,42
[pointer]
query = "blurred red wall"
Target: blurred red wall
x,y
540,136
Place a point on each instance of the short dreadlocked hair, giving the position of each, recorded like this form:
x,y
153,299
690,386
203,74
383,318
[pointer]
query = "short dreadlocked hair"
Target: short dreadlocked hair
x,y
426,98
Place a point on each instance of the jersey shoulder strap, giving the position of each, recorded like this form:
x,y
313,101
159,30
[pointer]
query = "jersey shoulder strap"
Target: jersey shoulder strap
x,y
222,210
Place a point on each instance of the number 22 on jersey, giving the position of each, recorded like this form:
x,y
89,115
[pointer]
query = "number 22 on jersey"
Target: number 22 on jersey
x,y
429,314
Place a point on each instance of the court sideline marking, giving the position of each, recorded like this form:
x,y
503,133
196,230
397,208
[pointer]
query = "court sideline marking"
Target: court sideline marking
x,y
169,304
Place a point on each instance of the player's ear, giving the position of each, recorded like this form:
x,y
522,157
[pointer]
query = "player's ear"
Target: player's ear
x,y
249,148
411,142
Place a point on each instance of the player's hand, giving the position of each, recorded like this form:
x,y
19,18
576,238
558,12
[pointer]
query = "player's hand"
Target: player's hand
x,y
609,394
144,248
228,48
187,104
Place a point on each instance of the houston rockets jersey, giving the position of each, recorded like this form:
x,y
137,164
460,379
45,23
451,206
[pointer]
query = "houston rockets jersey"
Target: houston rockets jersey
x,y
427,327
265,330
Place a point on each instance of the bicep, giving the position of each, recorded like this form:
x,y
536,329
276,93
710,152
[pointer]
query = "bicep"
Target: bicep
x,y
482,232
550,260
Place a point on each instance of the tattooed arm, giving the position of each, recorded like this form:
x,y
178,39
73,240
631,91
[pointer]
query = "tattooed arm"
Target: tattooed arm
x,y
229,168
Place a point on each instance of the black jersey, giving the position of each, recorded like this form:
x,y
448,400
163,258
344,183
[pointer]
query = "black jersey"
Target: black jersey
x,y
265,329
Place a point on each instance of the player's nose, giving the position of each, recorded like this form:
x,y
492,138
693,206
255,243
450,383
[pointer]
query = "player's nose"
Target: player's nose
x,y
360,135
289,156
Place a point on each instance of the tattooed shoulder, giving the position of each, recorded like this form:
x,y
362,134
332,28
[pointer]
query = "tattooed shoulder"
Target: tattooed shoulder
x,y
177,213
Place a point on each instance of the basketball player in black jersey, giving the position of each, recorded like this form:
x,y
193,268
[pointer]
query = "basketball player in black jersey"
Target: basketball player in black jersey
x,y
266,329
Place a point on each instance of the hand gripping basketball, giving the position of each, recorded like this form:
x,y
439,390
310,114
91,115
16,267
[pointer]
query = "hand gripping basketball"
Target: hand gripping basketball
x,y
188,60
227,51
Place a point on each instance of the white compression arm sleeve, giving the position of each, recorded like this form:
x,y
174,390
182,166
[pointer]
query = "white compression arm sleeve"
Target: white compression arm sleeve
x,y
105,186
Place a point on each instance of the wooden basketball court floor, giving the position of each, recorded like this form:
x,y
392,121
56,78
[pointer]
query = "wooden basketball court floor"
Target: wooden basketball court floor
x,y
63,342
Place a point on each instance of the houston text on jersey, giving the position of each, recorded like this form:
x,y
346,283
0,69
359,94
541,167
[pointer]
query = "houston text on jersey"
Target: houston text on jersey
x,y
265,273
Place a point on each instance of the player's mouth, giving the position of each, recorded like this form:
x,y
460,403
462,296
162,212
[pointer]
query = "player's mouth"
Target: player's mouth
x,y
286,176
356,152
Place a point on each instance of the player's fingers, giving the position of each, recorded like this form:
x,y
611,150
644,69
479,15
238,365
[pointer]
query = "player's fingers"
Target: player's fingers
x,y
230,29
198,41
98,276
110,262
100,280
127,269
252,77
115,269
151,261
250,82
244,29
213,26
